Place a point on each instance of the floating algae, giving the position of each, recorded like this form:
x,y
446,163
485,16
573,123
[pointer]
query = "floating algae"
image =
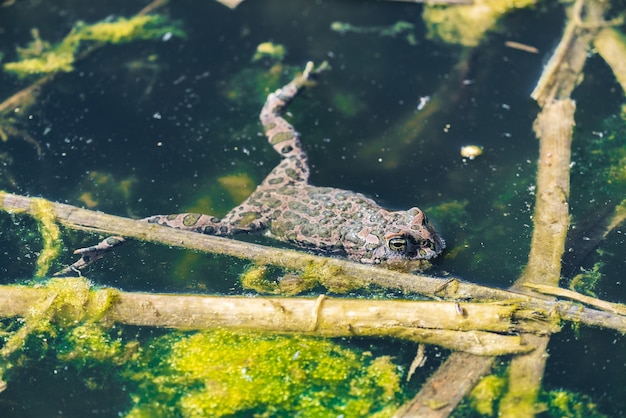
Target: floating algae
x,y
398,29
43,58
467,24
221,373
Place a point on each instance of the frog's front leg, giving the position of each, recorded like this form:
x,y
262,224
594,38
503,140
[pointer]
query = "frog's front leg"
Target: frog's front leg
x,y
243,218
246,217
195,222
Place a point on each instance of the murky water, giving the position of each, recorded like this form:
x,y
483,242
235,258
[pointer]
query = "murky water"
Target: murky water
x,y
152,126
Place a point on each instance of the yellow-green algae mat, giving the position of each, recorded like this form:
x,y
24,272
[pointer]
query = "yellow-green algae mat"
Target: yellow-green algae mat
x,y
223,373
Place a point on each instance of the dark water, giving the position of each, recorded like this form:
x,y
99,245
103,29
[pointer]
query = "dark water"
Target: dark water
x,y
151,126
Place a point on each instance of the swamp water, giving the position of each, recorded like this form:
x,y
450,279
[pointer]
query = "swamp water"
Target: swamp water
x,y
171,125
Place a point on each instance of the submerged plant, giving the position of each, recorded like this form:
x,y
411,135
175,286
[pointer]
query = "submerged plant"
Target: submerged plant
x,y
467,24
599,168
270,50
398,29
43,58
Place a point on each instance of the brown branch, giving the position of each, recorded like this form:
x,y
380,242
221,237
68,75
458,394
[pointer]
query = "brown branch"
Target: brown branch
x,y
616,308
553,127
349,273
480,330
360,274
561,74
611,45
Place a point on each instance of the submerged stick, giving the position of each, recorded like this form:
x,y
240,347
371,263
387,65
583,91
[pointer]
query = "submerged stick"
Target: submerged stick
x,y
616,308
551,218
554,128
611,45
361,275
561,74
349,273
479,331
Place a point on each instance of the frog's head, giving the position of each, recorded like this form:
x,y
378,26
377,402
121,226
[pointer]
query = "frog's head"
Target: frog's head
x,y
409,235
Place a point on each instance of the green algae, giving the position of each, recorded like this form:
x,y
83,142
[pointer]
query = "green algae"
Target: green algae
x,y
598,176
256,277
269,50
563,403
64,323
211,373
222,373
587,281
467,24
398,29
485,394
484,401
264,279
40,57
347,104
43,211
250,86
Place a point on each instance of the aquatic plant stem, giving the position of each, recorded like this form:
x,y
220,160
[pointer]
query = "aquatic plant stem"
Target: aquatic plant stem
x,y
19,102
483,329
341,272
550,219
554,128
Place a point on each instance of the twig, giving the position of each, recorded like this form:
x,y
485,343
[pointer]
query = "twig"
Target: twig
x,y
360,274
28,95
444,389
480,331
611,45
616,308
550,223
554,128
560,76
353,274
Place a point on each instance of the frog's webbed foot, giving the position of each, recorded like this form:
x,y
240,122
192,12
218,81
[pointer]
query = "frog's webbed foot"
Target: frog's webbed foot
x,y
310,69
90,255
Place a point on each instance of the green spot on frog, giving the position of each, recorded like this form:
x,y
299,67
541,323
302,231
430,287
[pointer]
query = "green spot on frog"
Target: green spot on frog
x,y
281,137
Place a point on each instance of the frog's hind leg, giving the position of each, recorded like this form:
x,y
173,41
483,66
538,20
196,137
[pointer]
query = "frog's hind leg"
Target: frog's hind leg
x,y
281,134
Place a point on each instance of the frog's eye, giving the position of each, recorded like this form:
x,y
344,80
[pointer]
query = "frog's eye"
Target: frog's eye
x,y
397,244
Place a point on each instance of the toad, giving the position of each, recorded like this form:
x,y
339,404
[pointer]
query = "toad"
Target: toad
x,y
288,208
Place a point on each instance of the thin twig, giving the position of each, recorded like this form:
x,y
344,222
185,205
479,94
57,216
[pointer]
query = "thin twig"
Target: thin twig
x,y
616,308
557,82
486,329
350,274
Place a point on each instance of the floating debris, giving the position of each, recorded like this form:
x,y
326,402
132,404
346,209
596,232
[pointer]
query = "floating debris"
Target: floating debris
x,y
471,151
40,57
270,50
400,28
422,102
521,47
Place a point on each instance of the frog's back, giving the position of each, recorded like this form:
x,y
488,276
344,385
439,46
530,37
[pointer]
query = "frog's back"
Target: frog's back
x,y
313,217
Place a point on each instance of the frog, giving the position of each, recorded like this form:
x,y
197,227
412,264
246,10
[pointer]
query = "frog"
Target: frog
x,y
288,208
